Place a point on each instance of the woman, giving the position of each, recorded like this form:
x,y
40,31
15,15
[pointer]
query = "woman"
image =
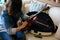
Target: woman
x,y
11,15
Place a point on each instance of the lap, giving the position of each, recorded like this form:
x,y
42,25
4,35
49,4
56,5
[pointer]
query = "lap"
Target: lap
x,y
20,34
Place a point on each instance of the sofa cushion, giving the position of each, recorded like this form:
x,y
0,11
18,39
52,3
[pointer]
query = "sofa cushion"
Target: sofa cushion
x,y
37,6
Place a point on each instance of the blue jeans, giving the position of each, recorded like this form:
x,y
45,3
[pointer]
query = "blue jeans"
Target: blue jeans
x,y
5,36
21,35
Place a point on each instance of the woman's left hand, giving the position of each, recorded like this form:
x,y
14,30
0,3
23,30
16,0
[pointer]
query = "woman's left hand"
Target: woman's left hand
x,y
24,24
19,23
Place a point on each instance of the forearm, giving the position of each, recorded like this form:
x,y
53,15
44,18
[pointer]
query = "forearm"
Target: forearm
x,y
22,26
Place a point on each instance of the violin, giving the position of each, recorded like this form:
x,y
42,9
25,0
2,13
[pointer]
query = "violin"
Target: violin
x,y
34,19
30,22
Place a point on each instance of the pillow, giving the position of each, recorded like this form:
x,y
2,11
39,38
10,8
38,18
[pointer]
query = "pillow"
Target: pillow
x,y
37,6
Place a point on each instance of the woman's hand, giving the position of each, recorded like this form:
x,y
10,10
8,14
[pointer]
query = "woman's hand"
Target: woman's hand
x,y
24,24
19,23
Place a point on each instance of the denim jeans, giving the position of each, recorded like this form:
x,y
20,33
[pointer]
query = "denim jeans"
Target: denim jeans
x,y
21,35
5,36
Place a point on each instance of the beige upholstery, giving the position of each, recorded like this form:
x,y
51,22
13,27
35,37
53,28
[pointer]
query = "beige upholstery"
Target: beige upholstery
x,y
54,13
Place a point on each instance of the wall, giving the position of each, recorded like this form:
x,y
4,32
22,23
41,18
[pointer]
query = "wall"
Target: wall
x,y
50,2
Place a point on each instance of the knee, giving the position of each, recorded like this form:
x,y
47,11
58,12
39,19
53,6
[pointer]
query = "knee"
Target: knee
x,y
20,34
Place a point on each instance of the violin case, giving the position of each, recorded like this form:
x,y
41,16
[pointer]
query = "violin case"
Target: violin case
x,y
44,23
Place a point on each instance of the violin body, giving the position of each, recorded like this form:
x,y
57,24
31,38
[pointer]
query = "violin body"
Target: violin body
x,y
30,22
